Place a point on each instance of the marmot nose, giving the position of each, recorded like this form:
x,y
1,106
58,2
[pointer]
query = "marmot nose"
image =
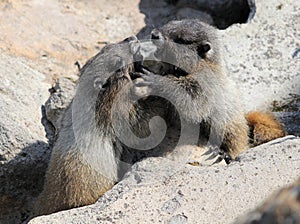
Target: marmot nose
x,y
156,35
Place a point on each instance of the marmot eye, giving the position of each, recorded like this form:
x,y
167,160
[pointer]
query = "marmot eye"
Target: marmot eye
x,y
179,40
203,49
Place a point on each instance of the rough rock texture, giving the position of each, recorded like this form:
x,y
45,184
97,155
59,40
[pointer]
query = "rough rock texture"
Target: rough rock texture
x,y
61,96
282,207
23,147
290,114
291,121
55,34
263,55
22,105
161,191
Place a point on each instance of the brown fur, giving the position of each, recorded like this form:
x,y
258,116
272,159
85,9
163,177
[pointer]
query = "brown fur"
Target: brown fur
x,y
236,137
264,127
67,176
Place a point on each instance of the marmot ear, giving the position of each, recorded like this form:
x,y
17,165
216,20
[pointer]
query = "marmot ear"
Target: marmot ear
x,y
130,39
203,49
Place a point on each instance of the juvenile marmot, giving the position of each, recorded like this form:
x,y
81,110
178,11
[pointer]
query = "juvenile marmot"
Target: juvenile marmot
x,y
84,158
188,61
93,147
187,69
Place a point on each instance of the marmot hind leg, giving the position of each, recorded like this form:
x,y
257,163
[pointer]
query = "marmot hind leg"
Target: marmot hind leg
x,y
235,139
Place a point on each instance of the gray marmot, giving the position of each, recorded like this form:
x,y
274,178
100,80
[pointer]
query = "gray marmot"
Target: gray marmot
x,y
187,68
83,163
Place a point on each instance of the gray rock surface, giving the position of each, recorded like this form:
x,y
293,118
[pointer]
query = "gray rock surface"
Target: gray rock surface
x,y
61,96
263,55
20,121
190,194
24,151
282,207
291,121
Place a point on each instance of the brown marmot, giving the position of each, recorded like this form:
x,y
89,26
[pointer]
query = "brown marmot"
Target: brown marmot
x,y
102,129
84,162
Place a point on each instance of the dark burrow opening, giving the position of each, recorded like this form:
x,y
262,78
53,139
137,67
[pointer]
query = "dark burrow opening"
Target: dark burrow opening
x,y
219,13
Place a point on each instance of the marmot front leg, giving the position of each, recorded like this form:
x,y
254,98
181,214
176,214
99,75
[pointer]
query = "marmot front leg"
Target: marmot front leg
x,y
229,130
185,93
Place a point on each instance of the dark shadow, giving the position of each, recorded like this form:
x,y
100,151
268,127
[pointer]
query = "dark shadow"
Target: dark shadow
x,y
21,180
220,14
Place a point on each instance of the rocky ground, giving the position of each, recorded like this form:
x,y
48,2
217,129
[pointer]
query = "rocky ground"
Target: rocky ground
x,y
158,191
41,40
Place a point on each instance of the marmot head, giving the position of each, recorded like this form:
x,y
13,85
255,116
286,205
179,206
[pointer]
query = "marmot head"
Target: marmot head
x,y
113,60
184,45
101,80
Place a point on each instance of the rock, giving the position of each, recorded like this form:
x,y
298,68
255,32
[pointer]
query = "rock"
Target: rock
x,y
203,194
291,121
61,96
282,207
262,55
20,121
290,104
288,113
24,151
34,30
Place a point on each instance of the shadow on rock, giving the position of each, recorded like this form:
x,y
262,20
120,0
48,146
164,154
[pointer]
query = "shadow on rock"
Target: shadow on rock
x,y
221,14
21,180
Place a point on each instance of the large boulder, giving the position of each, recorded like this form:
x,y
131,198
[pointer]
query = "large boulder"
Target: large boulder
x,y
24,152
263,55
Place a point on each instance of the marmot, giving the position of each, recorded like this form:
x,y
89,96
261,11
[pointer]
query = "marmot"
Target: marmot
x,y
187,69
93,148
116,101
84,162
188,57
